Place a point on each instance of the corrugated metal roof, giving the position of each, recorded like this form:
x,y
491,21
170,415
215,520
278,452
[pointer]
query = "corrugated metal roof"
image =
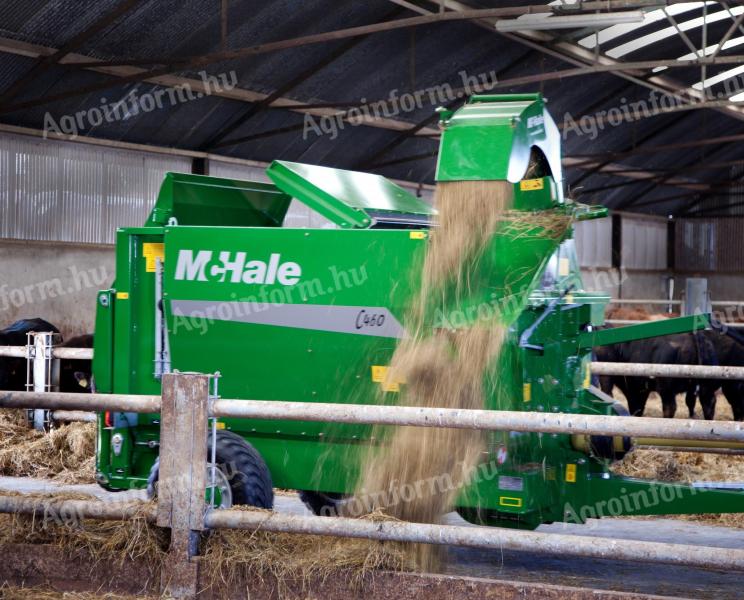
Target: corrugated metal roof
x,y
404,61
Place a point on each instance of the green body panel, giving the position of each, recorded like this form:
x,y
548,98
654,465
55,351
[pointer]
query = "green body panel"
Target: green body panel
x,y
308,314
617,335
347,198
199,200
586,212
628,496
294,358
536,194
103,365
492,138
505,276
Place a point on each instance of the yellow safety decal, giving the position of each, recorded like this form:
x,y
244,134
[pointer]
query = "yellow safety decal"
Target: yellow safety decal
x,y
571,473
564,267
220,425
122,295
587,376
509,501
530,185
151,251
380,375
417,235
527,392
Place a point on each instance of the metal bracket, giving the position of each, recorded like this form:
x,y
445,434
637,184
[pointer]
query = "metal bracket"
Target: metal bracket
x,y
524,339
42,374
212,466
162,347
645,330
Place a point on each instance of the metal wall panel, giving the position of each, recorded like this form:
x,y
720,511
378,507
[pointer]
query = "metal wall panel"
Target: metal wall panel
x,y
594,243
730,244
696,242
67,192
710,244
644,243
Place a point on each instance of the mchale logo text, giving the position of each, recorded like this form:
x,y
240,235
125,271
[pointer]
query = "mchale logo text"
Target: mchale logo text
x,y
235,268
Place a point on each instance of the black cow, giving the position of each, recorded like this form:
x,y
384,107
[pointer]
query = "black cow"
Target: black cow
x,y
728,352
75,375
704,353
690,349
13,370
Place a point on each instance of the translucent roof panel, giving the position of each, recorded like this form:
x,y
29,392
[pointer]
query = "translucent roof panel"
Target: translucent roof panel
x,y
611,33
723,76
644,41
732,43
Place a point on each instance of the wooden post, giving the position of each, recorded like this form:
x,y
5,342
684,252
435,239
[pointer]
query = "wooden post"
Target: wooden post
x,y
182,477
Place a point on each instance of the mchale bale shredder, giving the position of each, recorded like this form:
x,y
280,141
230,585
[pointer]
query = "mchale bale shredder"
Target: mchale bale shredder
x,y
214,282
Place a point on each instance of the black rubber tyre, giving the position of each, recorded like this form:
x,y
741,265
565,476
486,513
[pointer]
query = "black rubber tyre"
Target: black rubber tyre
x,y
323,504
243,466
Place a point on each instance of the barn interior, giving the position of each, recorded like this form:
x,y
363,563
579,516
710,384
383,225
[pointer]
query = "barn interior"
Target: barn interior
x,y
125,120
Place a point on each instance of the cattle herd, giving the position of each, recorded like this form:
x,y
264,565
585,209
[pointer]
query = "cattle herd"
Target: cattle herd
x,y
714,348
700,348
74,375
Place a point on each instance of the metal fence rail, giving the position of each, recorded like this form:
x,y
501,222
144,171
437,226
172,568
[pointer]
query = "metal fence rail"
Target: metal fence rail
x,y
73,353
80,402
672,302
67,416
487,420
371,414
185,406
664,370
482,537
732,324
84,509
644,301
58,352
42,374
14,351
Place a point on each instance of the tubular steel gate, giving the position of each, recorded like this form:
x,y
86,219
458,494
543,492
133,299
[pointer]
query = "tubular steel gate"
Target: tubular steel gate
x,y
186,405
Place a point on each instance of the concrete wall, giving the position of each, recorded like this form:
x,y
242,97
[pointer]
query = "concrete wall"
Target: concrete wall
x,y
722,286
652,285
626,283
54,281
58,282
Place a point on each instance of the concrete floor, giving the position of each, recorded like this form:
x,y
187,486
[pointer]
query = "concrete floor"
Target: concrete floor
x,y
664,580
679,582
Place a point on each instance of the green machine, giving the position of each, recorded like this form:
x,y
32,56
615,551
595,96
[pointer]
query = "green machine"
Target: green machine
x,y
214,282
